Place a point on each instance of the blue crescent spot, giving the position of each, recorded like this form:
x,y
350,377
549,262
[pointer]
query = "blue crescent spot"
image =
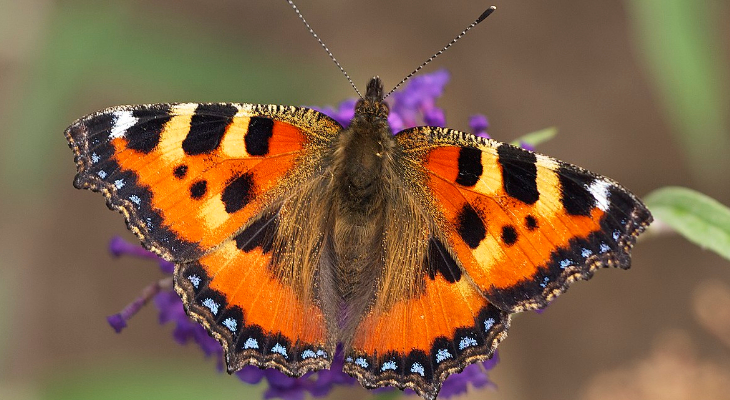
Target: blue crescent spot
x,y
279,349
251,343
442,355
467,341
418,369
488,323
389,365
211,304
231,324
308,354
361,362
195,280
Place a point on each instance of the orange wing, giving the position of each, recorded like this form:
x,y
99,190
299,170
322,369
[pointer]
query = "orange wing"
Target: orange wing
x,y
198,184
259,319
420,341
188,176
522,225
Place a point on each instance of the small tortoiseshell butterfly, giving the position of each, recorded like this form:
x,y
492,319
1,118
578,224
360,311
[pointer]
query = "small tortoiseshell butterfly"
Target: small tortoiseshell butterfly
x,y
292,234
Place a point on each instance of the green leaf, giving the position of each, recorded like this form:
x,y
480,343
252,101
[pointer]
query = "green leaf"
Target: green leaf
x,y
680,44
699,218
536,138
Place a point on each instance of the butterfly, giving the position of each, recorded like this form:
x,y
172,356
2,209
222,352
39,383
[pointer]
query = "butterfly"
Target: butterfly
x,y
292,235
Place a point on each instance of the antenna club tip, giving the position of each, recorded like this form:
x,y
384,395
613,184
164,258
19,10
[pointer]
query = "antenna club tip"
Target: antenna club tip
x,y
375,88
486,13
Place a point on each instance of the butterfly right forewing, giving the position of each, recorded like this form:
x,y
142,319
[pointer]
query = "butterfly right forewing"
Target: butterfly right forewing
x,y
522,225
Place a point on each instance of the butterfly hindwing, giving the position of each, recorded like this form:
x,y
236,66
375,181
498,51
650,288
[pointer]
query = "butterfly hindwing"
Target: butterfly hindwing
x,y
420,341
522,225
200,184
257,318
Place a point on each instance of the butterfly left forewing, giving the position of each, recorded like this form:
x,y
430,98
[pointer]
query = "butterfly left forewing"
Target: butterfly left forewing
x,y
522,225
187,176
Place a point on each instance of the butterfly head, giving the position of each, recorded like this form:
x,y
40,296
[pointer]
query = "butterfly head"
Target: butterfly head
x,y
372,104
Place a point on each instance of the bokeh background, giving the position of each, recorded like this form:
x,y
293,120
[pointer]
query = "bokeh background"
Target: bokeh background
x,y
637,88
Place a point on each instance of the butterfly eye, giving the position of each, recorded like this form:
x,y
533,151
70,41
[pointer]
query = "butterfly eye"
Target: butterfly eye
x,y
359,105
368,106
384,108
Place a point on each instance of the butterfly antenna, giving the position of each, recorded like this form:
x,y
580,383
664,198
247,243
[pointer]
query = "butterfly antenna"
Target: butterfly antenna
x,y
481,18
329,53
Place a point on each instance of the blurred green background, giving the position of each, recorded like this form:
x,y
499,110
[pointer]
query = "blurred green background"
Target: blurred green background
x,y
638,89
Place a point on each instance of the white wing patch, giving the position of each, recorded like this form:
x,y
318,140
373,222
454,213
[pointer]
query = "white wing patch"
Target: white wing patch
x,y
599,190
123,120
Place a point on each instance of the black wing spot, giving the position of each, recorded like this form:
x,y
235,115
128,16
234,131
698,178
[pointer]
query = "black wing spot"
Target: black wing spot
x,y
574,193
198,189
144,135
470,166
470,226
260,233
238,193
439,261
509,235
531,223
207,128
259,132
180,171
519,173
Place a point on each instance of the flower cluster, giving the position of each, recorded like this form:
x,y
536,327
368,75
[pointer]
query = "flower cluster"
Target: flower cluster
x,y
412,106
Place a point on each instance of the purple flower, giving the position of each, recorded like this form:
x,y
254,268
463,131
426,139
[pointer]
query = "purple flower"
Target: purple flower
x,y
414,105
527,146
474,374
479,125
119,247
342,114
186,330
317,384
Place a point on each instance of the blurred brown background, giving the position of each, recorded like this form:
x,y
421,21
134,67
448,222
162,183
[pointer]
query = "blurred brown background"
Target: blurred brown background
x,y
657,331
